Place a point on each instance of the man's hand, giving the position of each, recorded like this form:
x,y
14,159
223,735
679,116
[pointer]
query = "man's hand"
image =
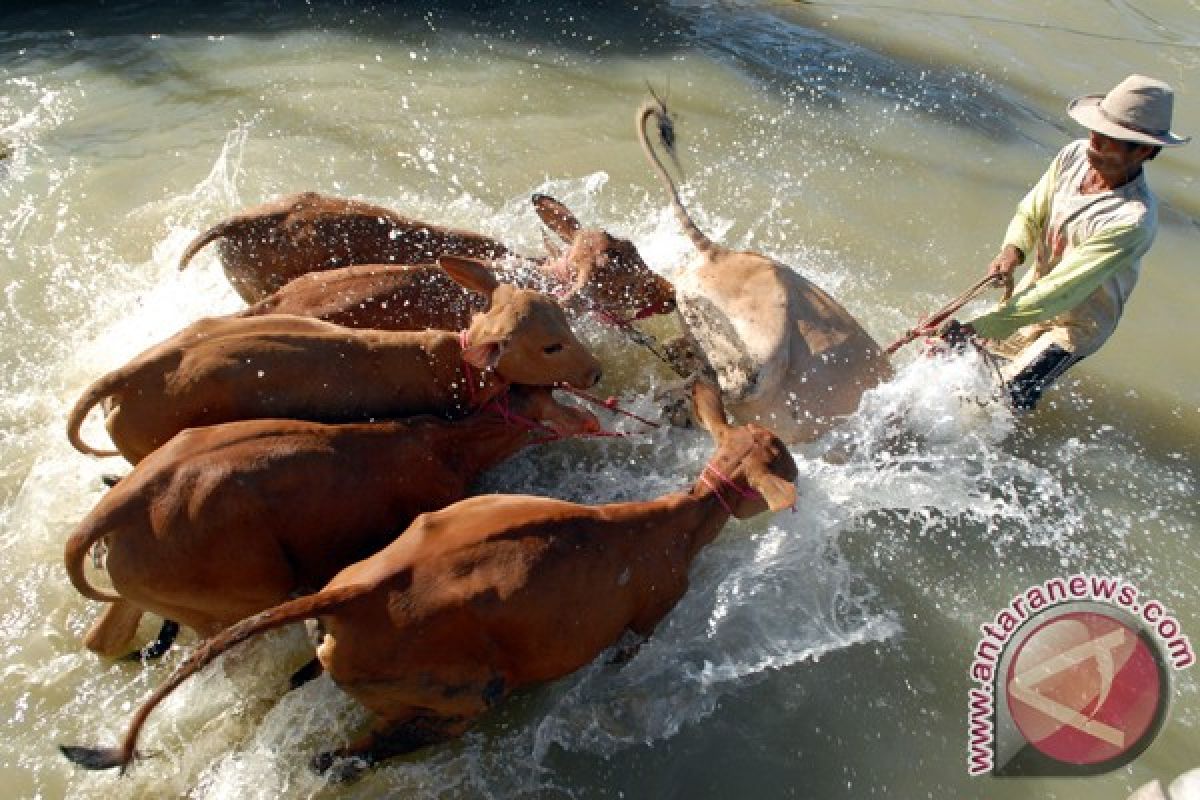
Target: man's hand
x,y
1004,264
954,333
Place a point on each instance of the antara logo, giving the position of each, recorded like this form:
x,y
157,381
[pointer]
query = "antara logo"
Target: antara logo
x,y
1068,685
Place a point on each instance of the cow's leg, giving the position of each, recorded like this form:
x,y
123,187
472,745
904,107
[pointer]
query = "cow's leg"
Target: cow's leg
x,y
387,739
308,672
110,635
161,644
313,669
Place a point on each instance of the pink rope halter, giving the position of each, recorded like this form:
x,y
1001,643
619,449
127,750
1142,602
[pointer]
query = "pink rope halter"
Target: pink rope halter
x,y
747,493
502,406
469,375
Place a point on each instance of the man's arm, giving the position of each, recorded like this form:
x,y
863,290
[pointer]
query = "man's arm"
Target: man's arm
x,y
1027,225
1070,283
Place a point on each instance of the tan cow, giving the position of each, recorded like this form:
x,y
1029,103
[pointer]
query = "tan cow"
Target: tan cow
x,y
225,369
265,248
783,351
501,592
225,521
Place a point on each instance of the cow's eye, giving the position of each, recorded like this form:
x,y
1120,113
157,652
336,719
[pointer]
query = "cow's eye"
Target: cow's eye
x,y
551,349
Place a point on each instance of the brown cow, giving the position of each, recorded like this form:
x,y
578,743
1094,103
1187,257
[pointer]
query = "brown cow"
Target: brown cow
x,y
381,296
598,271
265,248
225,521
501,592
224,369
783,351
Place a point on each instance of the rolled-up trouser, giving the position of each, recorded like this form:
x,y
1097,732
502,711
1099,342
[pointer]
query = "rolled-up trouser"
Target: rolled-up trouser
x,y
1032,370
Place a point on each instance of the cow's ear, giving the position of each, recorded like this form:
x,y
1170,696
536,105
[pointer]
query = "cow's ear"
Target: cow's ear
x,y
707,408
485,355
778,493
470,274
553,249
556,217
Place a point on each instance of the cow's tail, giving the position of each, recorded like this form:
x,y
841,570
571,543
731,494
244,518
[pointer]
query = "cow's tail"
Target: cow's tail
x,y
91,397
96,525
655,108
217,231
303,608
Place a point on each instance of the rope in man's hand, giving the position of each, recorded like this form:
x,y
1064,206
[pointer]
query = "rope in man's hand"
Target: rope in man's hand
x,y
941,322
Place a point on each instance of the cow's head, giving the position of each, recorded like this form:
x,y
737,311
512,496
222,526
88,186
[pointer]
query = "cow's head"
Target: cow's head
x,y
750,457
521,334
599,271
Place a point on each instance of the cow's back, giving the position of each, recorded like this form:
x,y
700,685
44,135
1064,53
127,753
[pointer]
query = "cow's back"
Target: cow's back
x,y
783,350
380,296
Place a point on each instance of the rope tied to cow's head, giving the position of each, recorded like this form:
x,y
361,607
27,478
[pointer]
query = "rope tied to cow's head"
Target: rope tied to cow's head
x,y
475,384
636,335
501,405
609,404
561,271
724,480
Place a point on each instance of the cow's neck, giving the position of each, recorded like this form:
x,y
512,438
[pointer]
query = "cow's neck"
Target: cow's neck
x,y
712,513
690,519
475,387
481,442
466,388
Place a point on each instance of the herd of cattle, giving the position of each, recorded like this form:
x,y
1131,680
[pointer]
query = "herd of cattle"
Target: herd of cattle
x,y
310,457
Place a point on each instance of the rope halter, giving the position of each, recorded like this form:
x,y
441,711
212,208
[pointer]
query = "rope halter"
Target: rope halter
x,y
722,480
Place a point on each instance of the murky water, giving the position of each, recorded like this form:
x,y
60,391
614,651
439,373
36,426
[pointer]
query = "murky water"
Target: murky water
x,y
821,653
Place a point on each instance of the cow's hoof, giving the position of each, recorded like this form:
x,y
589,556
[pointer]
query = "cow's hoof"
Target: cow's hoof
x,y
110,479
159,647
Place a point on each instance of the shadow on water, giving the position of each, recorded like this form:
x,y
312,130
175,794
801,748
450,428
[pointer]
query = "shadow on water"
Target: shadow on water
x,y
787,57
589,26
775,54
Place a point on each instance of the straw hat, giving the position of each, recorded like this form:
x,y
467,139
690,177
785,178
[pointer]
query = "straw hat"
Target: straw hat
x,y
1138,110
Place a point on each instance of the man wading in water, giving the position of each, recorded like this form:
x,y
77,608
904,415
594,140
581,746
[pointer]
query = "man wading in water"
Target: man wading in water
x,y
1088,222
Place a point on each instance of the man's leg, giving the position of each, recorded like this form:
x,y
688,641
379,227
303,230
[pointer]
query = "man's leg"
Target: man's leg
x,y
1034,370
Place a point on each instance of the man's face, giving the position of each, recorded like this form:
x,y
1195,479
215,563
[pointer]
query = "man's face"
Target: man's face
x,y
1115,157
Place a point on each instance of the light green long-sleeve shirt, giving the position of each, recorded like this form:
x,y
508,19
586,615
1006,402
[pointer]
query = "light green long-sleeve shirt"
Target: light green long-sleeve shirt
x,y
1084,253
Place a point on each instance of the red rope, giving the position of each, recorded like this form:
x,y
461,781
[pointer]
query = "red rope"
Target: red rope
x,y
501,406
924,326
609,404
